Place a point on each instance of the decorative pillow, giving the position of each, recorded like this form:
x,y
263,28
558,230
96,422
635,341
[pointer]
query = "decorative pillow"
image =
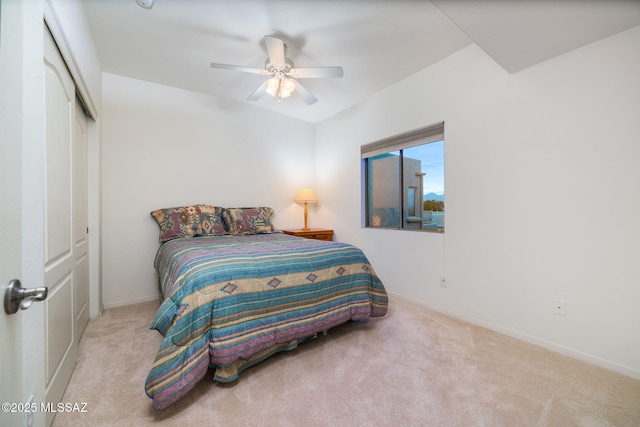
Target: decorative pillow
x,y
189,221
211,221
248,220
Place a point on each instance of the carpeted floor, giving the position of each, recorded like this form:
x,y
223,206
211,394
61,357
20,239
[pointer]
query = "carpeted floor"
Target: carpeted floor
x,y
413,367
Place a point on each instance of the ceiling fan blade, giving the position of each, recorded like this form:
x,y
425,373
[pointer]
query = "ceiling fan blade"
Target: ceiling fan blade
x,y
275,49
316,72
307,97
239,68
258,92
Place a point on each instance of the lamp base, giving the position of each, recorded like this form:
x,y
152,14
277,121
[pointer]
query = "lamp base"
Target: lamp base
x,y
305,228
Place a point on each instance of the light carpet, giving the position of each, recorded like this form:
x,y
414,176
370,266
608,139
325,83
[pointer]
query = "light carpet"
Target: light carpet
x,y
413,367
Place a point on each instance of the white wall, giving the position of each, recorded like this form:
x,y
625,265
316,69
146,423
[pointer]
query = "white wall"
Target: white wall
x,y
164,147
541,192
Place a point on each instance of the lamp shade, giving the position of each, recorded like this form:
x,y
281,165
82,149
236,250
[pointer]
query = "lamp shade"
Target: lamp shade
x,y
305,195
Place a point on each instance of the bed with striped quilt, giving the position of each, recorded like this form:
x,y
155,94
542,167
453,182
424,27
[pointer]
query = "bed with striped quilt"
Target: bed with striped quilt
x,y
231,301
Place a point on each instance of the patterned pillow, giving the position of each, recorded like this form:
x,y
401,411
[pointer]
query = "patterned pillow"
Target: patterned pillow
x,y
248,220
189,221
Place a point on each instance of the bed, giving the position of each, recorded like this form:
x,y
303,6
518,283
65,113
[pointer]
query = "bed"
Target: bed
x,y
235,291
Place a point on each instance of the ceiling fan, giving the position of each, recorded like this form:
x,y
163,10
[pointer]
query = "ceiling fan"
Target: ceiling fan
x,y
283,73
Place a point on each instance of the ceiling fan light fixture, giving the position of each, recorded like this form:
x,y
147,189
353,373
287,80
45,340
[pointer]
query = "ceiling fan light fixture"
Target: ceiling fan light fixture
x,y
287,86
272,86
283,94
147,4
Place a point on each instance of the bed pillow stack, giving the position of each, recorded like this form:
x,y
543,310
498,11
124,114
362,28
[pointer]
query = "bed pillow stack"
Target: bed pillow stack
x,y
207,220
189,221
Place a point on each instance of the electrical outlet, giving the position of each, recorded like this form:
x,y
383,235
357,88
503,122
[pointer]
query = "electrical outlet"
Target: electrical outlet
x,y
443,282
559,307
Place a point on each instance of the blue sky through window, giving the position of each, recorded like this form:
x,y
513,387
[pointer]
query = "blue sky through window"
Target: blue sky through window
x,y
432,157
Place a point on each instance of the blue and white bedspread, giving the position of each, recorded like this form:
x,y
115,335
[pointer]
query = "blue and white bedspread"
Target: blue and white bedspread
x,y
231,301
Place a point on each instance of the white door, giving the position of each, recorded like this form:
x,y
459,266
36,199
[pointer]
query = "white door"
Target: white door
x,y
10,261
11,390
40,242
10,258
80,223
63,235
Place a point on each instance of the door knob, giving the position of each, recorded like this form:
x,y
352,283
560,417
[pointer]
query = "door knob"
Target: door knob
x,y
16,297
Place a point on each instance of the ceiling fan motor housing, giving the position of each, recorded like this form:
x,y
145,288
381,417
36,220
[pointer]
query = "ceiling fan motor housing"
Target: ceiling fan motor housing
x,y
280,72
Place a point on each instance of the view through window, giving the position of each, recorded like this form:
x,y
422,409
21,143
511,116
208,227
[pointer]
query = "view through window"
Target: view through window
x,y
404,180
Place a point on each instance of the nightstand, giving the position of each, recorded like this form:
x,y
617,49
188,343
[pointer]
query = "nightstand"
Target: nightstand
x,y
313,233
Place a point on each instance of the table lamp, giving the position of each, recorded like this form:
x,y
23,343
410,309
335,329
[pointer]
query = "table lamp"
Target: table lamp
x,y
305,195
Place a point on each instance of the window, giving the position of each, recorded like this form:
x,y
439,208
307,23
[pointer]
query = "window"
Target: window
x,y
404,180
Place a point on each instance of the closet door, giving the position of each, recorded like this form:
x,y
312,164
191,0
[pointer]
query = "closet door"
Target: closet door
x,y
65,222
80,223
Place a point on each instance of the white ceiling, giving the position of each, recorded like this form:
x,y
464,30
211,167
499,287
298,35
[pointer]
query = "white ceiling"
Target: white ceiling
x,y
377,42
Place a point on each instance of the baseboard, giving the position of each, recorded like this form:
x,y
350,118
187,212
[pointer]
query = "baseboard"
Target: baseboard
x,y
567,351
130,302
